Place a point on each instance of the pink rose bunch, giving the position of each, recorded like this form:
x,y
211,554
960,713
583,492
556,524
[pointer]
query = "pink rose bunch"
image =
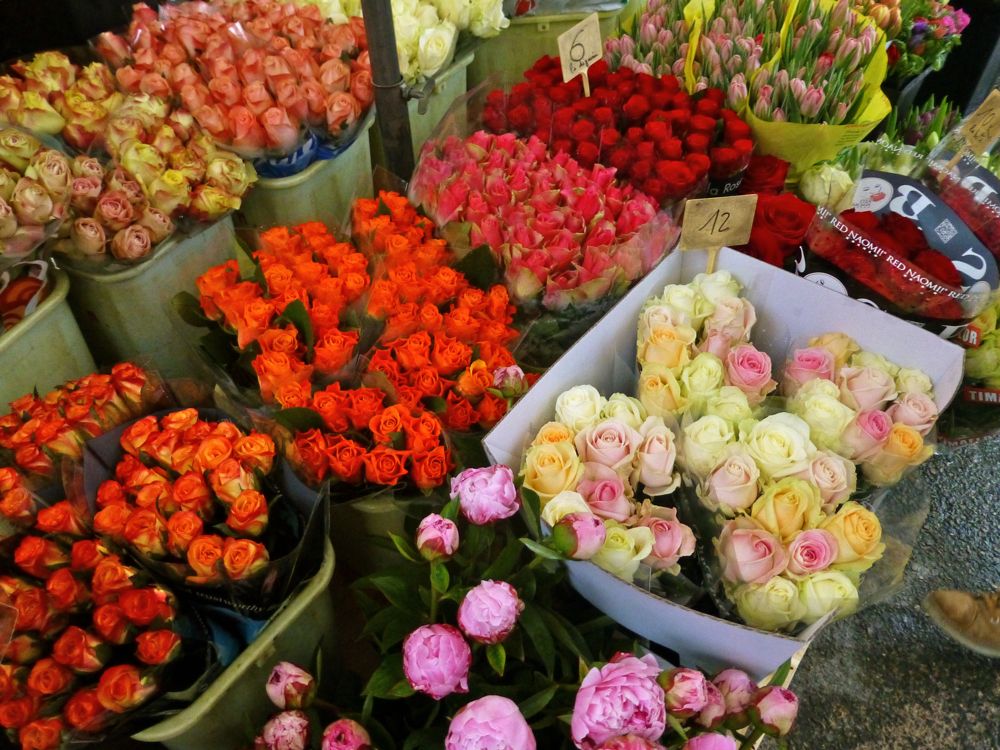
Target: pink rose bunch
x,y
563,233
34,192
254,73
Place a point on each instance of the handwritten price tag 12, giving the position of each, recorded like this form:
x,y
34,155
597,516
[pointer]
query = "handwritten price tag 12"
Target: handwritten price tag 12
x,y
579,48
713,223
983,127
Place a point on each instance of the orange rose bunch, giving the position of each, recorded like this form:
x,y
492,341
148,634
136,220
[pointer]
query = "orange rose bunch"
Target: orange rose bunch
x,y
389,230
39,430
92,636
180,477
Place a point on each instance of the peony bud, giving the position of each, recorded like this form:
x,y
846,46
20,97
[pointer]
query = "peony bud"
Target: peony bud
x,y
437,537
489,612
346,734
774,710
579,536
288,730
290,686
685,691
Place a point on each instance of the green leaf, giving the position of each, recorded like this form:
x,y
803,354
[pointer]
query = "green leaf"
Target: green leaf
x,y
540,549
219,347
399,592
383,209
299,419
539,637
387,678
531,511
406,548
296,314
377,622
505,562
535,703
477,540
440,579
480,267
424,739
186,306
450,510
437,404
781,674
566,634
497,657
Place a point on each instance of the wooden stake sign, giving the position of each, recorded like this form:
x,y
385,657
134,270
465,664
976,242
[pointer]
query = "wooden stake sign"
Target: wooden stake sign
x,y
980,130
714,223
579,48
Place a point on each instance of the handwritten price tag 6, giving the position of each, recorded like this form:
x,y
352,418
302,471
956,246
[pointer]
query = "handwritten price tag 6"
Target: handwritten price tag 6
x,y
983,127
579,48
713,223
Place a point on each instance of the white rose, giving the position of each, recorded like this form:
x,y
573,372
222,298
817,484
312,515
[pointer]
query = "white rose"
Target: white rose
x,y
687,300
909,380
456,11
486,18
731,404
826,416
703,443
872,359
824,592
717,286
408,31
769,606
436,47
780,445
580,407
624,549
702,378
816,387
625,409
427,16
656,315
562,505
332,9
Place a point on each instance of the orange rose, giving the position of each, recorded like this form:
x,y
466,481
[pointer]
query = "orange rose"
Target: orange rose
x,y
311,273
459,413
414,351
16,713
309,452
182,528
252,320
230,479
431,469
363,404
48,678
225,430
446,284
212,282
18,506
248,514
404,321
65,591
111,624
80,651
146,531
212,452
157,647
133,475
42,734
110,492
123,687
37,556
203,555
355,282
330,291
407,281
156,497
24,649
190,492
279,278
324,317
462,323
275,368
396,246
9,478
382,299
180,420
385,465
474,381
110,577
33,460
450,355
383,361
256,451
34,610
58,437
85,554
492,409
410,397
139,433
84,712
243,558
423,432
197,432
334,351
144,606
161,446
283,340
293,395
128,381
332,405
11,678
389,424
430,318
345,458
495,355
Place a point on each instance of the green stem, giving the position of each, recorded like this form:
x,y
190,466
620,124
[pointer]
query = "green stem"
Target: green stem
x,y
749,742
676,726
434,603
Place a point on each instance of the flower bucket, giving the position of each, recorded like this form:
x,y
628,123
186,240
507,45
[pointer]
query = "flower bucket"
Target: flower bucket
x,y
427,111
45,349
789,312
323,191
354,525
125,314
221,716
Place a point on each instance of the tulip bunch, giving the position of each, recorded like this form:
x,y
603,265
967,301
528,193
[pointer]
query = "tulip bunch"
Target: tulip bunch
x,y
50,94
34,192
253,73
659,139
630,703
657,43
820,76
40,430
564,234
92,637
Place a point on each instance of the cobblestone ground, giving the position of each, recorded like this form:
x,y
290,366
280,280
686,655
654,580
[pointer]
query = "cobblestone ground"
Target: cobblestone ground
x,y
887,678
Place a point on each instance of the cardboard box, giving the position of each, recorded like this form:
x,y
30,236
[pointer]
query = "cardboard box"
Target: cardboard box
x,y
790,310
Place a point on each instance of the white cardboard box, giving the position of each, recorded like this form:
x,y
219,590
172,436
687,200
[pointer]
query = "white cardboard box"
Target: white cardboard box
x,y
790,310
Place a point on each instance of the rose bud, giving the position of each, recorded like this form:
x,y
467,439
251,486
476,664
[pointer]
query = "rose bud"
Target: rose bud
x,y
18,507
191,493
230,173
8,180
121,131
280,130
122,687
17,148
489,612
80,651
112,625
156,647
32,203
247,134
147,605
342,111
190,165
774,710
95,81
183,75
88,238
113,48
83,711
257,98
315,96
34,610
170,192
8,221
213,120
25,649
49,678
157,223
288,730
61,518
686,694
132,243
346,734
243,558
37,115
209,203
437,537
248,514
578,536
84,192
142,161
290,686
85,554
203,556
38,557
436,660
66,593
146,531
114,210
110,578
53,172
87,166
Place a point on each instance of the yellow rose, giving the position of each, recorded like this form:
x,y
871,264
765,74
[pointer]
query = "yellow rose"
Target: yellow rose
x,y
625,409
769,606
909,380
787,507
624,549
701,379
703,443
827,591
562,505
872,359
553,432
660,392
826,416
840,345
904,448
859,537
780,445
731,404
666,345
580,407
551,468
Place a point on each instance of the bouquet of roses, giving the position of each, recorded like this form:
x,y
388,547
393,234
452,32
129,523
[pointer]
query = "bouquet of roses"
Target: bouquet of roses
x,y
23,286
39,431
34,193
982,356
253,73
780,224
659,139
657,42
93,636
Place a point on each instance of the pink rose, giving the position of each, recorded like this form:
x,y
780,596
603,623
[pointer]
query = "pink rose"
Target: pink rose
x,y
158,223
622,697
775,708
654,460
281,131
732,320
866,388
733,484
290,686
87,166
315,97
84,192
257,98
805,365
711,741
737,690
578,536
335,75
342,111
749,554
486,494
87,236
247,133
672,540
609,443
225,91
194,96
834,475
346,734
811,551
630,742
362,87
715,707
114,210
131,243
604,491
915,409
290,97
437,537
864,437
214,120
684,690
436,660
288,730
490,722
489,612
717,344
750,371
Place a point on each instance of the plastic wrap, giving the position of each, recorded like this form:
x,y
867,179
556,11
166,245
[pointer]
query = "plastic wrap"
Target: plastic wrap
x,y
23,287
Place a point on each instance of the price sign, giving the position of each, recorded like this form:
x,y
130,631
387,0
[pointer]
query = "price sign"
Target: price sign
x,y
579,48
713,223
983,126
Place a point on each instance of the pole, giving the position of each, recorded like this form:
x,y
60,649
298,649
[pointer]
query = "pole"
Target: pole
x,y
393,114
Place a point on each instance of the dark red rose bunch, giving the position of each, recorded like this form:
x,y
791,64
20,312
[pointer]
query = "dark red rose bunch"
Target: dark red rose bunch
x,y
764,174
977,203
780,224
660,139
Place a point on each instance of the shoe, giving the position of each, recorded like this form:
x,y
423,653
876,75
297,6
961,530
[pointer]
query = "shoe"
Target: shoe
x,y
971,619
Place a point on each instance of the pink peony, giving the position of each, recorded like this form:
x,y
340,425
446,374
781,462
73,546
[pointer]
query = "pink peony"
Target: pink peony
x,y
684,690
489,723
346,734
436,660
437,537
579,536
775,709
288,730
486,494
489,611
290,686
622,697
630,742
715,708
711,741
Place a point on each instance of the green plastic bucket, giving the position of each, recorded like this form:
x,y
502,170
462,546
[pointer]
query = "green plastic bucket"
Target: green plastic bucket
x,y
323,191
44,350
126,315
221,716
354,525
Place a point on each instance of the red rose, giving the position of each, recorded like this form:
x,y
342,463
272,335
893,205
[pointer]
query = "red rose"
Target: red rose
x,y
670,148
521,118
708,107
655,188
587,153
678,177
908,236
635,135
620,157
765,174
680,120
939,266
726,161
657,131
582,130
640,170
636,107
645,150
604,116
609,137
703,124
696,143
699,164
780,225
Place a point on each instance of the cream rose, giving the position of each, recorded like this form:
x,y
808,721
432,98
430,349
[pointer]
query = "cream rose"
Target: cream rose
x,y
624,549
703,443
701,379
909,380
562,505
731,321
580,407
787,507
840,345
654,462
625,409
780,445
659,391
770,606
717,287
733,485
486,18
875,360
835,477
859,537
688,301
609,443
826,416
435,47
866,388
824,592
731,404
666,345
551,468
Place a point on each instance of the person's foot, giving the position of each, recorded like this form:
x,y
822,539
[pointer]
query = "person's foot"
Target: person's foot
x,y
971,619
